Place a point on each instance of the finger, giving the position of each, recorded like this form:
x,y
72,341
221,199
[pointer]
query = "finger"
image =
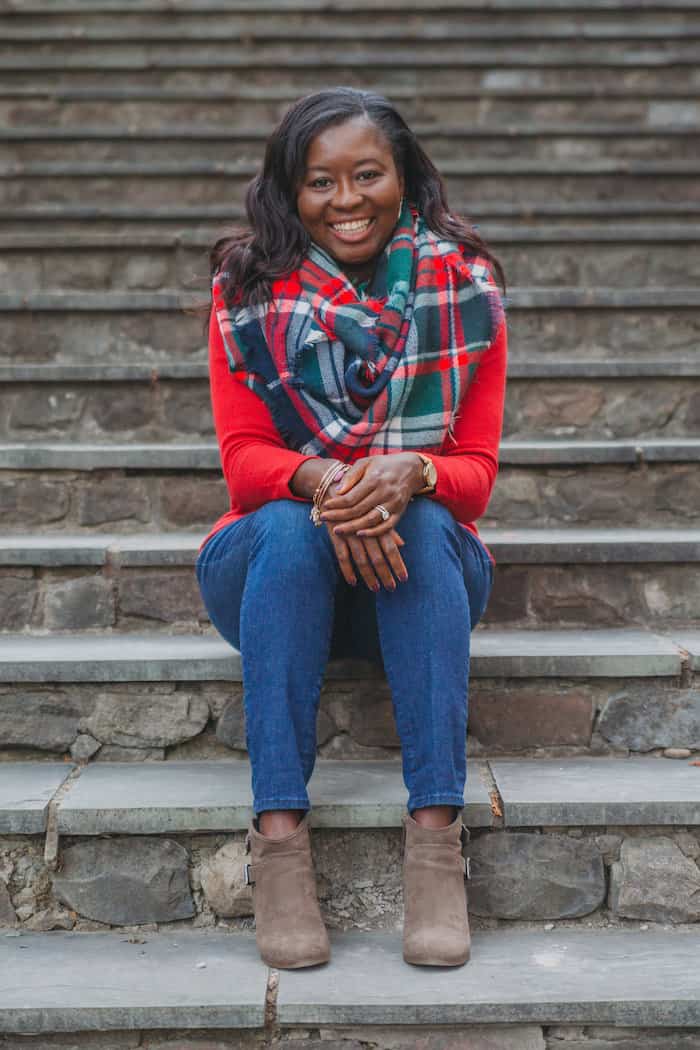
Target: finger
x,y
361,491
363,564
352,476
342,552
368,523
393,556
380,563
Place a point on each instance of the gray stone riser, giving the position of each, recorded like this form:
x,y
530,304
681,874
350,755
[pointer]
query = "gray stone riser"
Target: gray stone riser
x,y
137,500
312,75
489,110
171,262
556,717
418,24
442,50
571,876
123,599
123,332
448,145
170,409
64,185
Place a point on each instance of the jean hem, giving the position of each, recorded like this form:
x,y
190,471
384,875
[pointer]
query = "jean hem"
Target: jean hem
x,y
280,803
435,800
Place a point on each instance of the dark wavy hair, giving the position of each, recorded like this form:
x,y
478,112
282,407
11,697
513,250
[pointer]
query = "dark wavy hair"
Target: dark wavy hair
x,y
276,242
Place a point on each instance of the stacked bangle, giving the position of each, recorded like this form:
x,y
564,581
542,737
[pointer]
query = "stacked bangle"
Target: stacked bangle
x,y
335,471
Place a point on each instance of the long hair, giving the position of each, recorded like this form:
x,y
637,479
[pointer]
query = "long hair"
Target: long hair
x,y
275,242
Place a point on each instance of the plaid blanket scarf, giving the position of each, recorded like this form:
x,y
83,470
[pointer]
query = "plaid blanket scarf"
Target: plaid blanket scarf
x,y
386,373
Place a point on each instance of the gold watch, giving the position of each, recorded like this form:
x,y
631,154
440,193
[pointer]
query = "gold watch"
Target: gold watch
x,y
429,475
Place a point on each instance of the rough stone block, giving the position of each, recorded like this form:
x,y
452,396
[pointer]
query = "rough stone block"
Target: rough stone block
x,y
193,502
77,604
470,1037
504,719
47,721
122,408
167,596
27,501
529,876
187,409
146,720
115,500
18,597
8,916
654,880
223,883
659,719
84,747
43,408
126,880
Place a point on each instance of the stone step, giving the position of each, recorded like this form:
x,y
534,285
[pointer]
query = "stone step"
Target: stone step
x,y
71,219
150,184
426,24
38,403
93,260
543,833
545,578
444,142
601,484
59,8
551,323
172,697
487,106
516,983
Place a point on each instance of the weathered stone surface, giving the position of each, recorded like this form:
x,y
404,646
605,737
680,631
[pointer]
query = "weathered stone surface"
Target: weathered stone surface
x,y
506,720
390,1037
78,604
115,500
187,408
193,501
41,720
601,1037
114,753
641,723
53,918
123,408
144,720
26,501
223,883
527,876
18,597
84,747
8,916
43,408
160,595
654,880
126,880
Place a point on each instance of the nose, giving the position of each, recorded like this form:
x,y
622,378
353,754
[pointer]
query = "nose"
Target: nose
x,y
346,195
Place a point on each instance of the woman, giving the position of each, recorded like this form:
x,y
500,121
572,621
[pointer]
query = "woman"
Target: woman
x,y
357,364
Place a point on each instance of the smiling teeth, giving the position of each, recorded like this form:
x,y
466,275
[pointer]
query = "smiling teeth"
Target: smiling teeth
x,y
351,227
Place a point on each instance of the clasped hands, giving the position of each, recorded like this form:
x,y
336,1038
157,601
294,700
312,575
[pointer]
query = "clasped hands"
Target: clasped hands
x,y
364,543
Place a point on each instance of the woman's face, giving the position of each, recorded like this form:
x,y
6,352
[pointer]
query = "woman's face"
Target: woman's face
x,y
351,192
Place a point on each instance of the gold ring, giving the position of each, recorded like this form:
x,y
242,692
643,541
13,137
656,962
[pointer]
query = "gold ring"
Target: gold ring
x,y
384,512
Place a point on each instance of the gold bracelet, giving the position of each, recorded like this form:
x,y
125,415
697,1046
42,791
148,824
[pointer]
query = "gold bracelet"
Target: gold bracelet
x,y
335,471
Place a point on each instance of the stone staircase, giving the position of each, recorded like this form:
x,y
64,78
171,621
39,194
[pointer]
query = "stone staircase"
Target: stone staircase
x,y
570,134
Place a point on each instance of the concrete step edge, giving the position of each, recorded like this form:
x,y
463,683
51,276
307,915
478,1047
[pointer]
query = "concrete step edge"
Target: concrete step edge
x,y
526,546
495,652
188,980
27,134
144,371
519,298
204,456
151,798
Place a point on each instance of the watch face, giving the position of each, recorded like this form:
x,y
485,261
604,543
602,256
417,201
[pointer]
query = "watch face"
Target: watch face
x,y
430,474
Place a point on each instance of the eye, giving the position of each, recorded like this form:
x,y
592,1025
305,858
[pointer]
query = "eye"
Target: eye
x,y
368,175
316,183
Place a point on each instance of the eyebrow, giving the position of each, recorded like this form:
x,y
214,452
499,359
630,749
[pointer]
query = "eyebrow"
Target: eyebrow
x,y
365,160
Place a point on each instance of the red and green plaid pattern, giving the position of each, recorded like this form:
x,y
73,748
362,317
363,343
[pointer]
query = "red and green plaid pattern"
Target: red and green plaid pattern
x,y
344,376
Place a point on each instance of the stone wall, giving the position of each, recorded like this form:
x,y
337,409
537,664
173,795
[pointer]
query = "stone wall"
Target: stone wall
x,y
606,876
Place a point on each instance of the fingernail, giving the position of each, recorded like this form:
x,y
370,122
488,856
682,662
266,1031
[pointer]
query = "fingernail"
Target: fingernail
x,y
403,577
376,587
354,583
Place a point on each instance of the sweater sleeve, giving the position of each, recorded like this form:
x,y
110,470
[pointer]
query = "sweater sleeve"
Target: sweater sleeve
x,y
256,463
467,467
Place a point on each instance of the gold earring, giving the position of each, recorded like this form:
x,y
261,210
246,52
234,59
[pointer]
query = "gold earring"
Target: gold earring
x,y
400,210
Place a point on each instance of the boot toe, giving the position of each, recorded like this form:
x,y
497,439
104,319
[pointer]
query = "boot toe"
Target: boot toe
x,y
435,947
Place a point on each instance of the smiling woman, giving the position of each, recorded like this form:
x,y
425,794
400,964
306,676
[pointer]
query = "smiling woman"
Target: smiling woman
x,y
357,347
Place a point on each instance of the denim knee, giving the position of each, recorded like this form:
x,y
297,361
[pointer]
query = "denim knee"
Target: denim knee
x,y
285,538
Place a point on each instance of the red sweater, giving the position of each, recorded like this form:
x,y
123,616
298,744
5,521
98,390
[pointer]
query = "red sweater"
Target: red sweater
x,y
258,466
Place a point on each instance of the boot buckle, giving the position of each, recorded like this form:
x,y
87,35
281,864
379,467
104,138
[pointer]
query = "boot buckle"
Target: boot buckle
x,y
248,878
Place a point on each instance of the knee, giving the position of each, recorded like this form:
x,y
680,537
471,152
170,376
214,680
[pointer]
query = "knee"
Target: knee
x,y
284,535
426,521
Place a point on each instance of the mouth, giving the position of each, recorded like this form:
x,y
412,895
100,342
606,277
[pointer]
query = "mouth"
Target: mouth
x,y
352,231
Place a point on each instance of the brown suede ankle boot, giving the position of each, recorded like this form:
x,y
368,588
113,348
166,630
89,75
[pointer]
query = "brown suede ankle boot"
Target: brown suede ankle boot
x,y
436,925
288,926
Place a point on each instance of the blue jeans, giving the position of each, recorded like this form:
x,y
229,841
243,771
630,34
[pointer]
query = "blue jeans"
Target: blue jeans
x,y
273,589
